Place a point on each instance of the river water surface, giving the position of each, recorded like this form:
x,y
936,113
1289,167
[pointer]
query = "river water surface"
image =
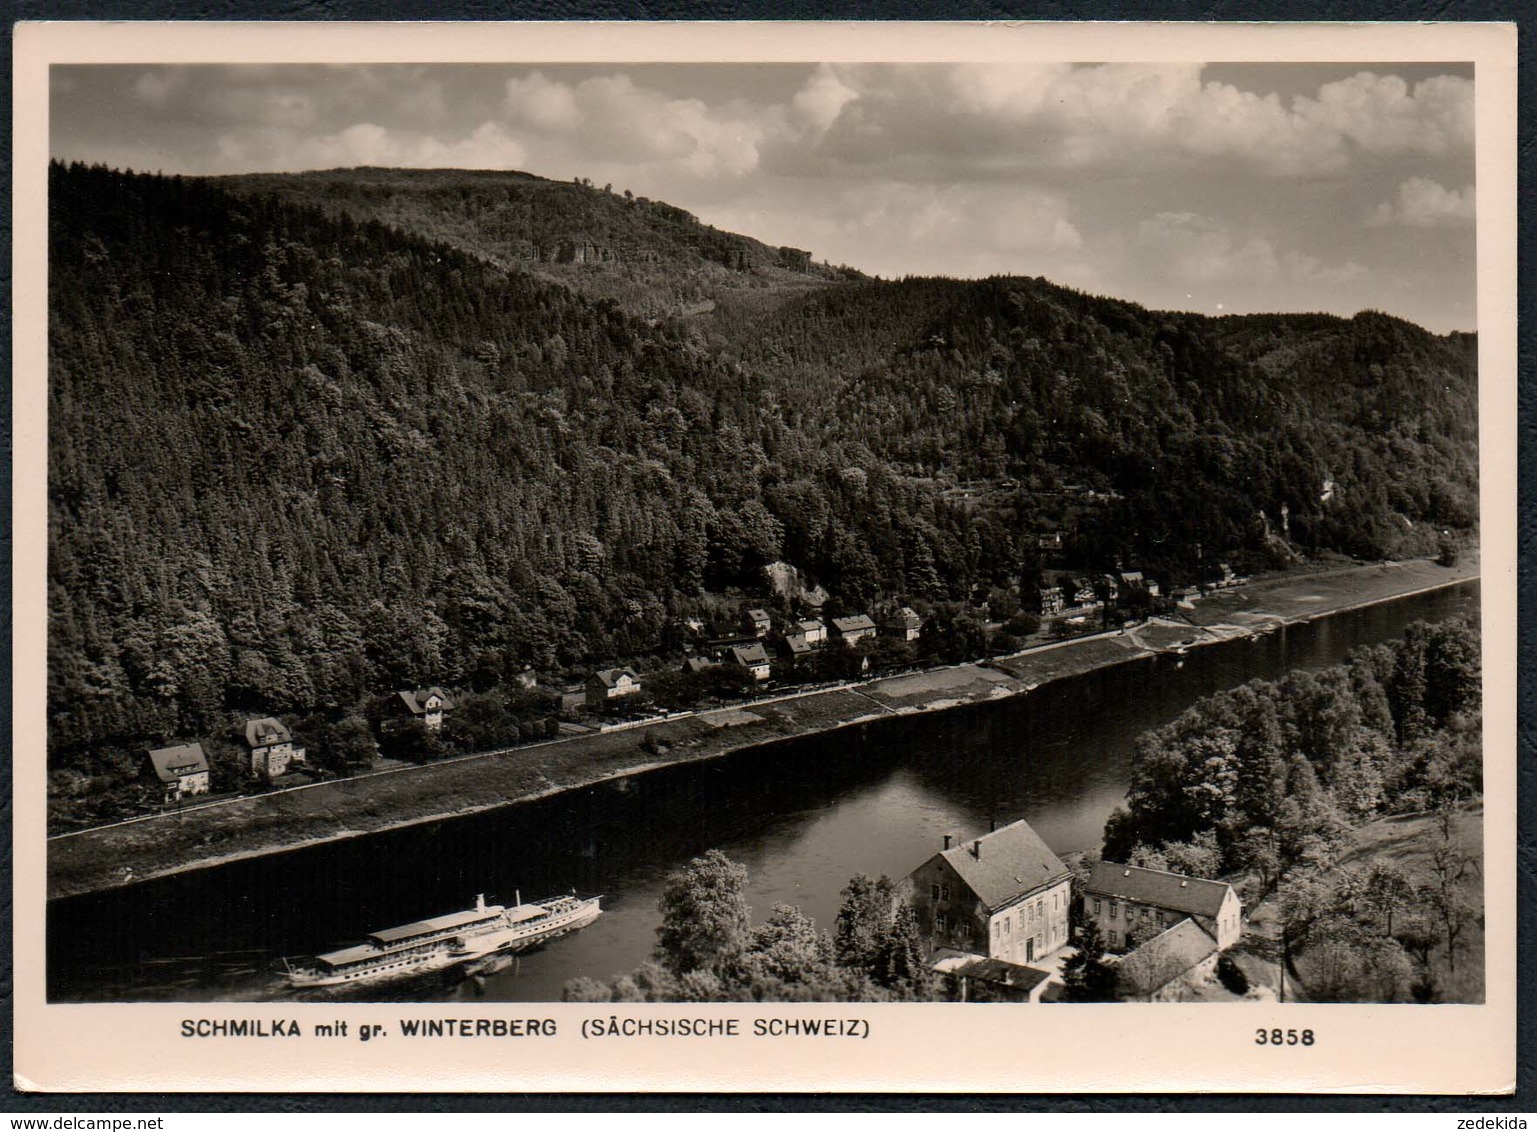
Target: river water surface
x,y
802,815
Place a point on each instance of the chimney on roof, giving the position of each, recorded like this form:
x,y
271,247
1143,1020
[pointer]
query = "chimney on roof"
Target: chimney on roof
x,y
947,840
976,848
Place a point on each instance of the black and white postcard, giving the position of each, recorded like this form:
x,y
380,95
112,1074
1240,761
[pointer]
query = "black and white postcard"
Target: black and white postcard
x,y
568,557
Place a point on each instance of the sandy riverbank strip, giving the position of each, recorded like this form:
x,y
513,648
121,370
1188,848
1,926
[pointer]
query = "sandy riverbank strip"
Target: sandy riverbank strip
x,y
118,855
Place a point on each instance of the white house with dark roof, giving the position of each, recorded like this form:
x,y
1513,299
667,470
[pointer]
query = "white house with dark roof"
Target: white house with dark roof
x,y
1168,967
611,683
854,628
272,748
1132,905
757,622
754,658
813,631
1003,896
426,705
181,770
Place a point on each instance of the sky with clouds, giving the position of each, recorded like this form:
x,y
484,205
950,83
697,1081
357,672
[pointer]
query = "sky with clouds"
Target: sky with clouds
x,y
1216,188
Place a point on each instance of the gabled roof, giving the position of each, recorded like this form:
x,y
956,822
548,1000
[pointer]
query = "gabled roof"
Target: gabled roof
x,y
758,615
1164,958
414,701
1161,889
1132,577
749,655
609,677
795,644
265,732
699,664
810,626
1016,976
1005,865
906,618
852,624
171,763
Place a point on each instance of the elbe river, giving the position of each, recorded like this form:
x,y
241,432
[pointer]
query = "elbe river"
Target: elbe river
x,y
803,815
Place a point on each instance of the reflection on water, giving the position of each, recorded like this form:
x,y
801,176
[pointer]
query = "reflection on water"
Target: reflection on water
x,y
803,815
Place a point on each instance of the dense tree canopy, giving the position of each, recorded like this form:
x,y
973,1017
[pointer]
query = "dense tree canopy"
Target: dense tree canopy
x,y
299,458
1271,774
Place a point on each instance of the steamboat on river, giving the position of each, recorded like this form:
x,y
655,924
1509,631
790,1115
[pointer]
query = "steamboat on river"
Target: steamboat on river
x,y
457,938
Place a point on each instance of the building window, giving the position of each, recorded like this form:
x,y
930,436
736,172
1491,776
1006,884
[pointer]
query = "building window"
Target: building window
x,y
941,925
1113,908
1096,906
1115,938
934,891
944,892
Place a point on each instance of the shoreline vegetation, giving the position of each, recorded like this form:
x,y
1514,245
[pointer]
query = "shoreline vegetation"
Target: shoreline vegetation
x,y
113,856
1345,805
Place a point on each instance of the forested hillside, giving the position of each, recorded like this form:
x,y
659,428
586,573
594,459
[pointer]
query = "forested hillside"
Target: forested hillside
x,y
298,457
652,258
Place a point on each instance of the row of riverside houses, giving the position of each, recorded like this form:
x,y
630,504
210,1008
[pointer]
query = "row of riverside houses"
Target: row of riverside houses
x,y
1087,592
797,639
749,651
995,913
182,770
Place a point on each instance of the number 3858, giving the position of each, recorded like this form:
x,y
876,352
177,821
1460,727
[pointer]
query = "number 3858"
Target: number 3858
x,y
1280,1037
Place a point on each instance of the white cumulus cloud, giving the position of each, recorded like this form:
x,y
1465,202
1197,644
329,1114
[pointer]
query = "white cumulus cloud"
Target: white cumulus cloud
x,y
1423,203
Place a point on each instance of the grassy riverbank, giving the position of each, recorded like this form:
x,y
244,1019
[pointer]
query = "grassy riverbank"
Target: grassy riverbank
x,y
170,843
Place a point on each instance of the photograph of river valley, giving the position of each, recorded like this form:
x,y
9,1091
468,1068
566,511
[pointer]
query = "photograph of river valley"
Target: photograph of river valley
x,y
491,560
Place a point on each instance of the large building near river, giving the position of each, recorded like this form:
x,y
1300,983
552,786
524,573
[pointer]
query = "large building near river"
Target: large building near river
x,y
1131,905
1004,895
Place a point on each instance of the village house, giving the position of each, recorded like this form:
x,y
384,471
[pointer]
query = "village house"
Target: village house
x,y
1051,603
1168,967
426,705
757,622
1002,896
272,748
1136,580
814,631
611,683
904,625
754,658
1083,592
1112,587
851,629
180,770
794,646
990,980
1052,541
698,665
1132,905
